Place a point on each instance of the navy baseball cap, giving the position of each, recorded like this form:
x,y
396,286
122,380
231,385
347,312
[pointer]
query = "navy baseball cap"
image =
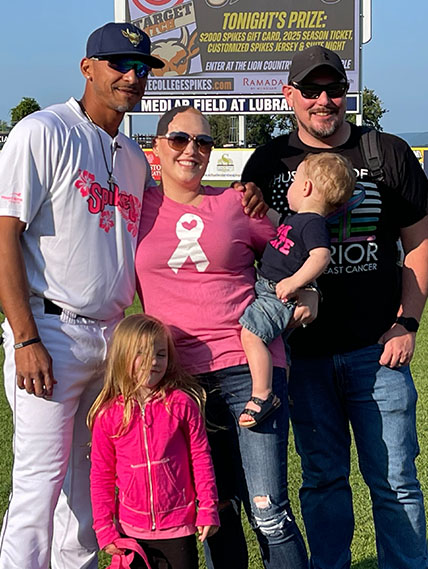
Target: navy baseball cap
x,y
121,39
304,62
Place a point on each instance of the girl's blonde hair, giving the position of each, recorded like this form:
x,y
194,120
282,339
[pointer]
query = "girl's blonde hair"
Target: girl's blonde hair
x,y
135,336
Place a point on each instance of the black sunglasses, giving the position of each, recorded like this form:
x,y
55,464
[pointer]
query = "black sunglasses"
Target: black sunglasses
x,y
313,90
125,64
179,140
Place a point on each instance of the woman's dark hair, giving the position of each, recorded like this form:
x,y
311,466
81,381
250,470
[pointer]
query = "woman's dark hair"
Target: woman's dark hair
x,y
167,117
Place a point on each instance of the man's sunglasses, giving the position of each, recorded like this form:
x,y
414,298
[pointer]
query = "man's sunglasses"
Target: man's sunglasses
x,y
124,65
179,141
313,90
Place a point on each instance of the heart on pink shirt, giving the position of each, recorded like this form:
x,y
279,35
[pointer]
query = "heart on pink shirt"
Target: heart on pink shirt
x,y
189,224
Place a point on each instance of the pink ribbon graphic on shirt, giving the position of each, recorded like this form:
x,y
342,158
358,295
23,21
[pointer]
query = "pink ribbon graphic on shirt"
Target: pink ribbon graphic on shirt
x,y
188,229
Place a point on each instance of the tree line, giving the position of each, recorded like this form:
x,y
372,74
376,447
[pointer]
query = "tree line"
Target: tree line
x,y
25,107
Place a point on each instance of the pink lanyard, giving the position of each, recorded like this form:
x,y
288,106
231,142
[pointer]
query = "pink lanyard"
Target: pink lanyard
x,y
124,561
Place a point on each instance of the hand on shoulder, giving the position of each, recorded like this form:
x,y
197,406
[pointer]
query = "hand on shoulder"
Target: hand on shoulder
x,y
252,199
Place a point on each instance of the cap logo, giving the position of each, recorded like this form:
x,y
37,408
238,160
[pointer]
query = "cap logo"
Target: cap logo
x,y
313,56
134,37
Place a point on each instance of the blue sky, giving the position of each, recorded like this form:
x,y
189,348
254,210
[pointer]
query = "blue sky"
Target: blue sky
x,y
42,42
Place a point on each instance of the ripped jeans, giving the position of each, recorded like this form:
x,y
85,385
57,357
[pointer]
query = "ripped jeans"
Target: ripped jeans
x,y
250,467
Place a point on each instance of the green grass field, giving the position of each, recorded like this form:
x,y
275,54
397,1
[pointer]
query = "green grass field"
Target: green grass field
x,y
364,554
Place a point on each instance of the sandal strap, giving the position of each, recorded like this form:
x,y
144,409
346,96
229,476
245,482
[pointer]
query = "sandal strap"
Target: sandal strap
x,y
257,400
262,402
250,412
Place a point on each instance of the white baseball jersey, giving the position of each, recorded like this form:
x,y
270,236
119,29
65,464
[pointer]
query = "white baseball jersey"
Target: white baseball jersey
x,y
80,239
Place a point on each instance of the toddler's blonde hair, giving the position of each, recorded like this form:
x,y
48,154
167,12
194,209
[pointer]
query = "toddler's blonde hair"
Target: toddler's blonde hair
x,y
332,175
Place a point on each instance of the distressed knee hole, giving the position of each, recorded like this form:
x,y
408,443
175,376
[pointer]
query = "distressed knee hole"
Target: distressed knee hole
x,y
262,502
273,526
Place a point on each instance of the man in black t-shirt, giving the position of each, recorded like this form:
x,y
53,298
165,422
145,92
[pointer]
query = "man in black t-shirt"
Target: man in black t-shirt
x,y
351,366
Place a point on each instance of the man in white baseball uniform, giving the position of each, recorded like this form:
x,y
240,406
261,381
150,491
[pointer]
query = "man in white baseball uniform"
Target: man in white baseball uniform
x,y
71,193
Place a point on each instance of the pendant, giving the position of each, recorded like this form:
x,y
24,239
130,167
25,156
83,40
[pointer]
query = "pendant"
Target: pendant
x,y
112,182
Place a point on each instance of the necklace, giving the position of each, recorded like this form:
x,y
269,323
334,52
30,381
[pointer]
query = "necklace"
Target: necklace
x,y
111,180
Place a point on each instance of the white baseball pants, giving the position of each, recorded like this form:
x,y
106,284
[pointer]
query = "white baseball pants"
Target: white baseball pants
x,y
49,518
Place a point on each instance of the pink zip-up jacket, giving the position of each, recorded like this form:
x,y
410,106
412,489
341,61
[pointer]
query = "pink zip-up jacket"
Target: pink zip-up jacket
x,y
161,466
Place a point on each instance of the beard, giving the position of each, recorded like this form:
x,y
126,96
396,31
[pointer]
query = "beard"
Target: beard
x,y
126,105
125,108
325,130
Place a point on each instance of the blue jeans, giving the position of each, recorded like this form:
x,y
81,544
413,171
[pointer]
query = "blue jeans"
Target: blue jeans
x,y
267,316
326,394
251,467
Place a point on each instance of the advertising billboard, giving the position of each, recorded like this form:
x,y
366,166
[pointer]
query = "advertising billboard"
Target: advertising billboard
x,y
224,164
227,163
421,153
242,48
3,138
221,105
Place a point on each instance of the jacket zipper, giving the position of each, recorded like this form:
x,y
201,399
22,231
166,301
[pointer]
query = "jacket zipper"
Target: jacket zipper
x,y
149,468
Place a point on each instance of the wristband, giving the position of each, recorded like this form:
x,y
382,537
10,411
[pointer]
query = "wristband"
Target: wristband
x,y
27,343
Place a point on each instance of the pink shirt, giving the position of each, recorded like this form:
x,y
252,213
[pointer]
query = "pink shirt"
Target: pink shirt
x,y
170,533
195,272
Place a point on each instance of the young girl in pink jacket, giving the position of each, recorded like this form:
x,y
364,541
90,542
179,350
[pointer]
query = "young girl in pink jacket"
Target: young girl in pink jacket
x,y
152,477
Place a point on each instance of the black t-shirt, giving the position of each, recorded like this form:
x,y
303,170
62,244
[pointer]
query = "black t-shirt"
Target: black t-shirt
x,y
362,285
296,235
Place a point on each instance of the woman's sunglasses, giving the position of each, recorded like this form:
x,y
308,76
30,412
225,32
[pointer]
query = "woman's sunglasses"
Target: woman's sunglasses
x,y
179,141
313,91
124,65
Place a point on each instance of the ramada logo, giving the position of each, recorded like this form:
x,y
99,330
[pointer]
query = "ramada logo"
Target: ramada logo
x,y
260,84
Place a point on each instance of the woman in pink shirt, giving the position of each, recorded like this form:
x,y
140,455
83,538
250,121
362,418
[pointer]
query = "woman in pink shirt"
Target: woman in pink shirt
x,y
195,272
